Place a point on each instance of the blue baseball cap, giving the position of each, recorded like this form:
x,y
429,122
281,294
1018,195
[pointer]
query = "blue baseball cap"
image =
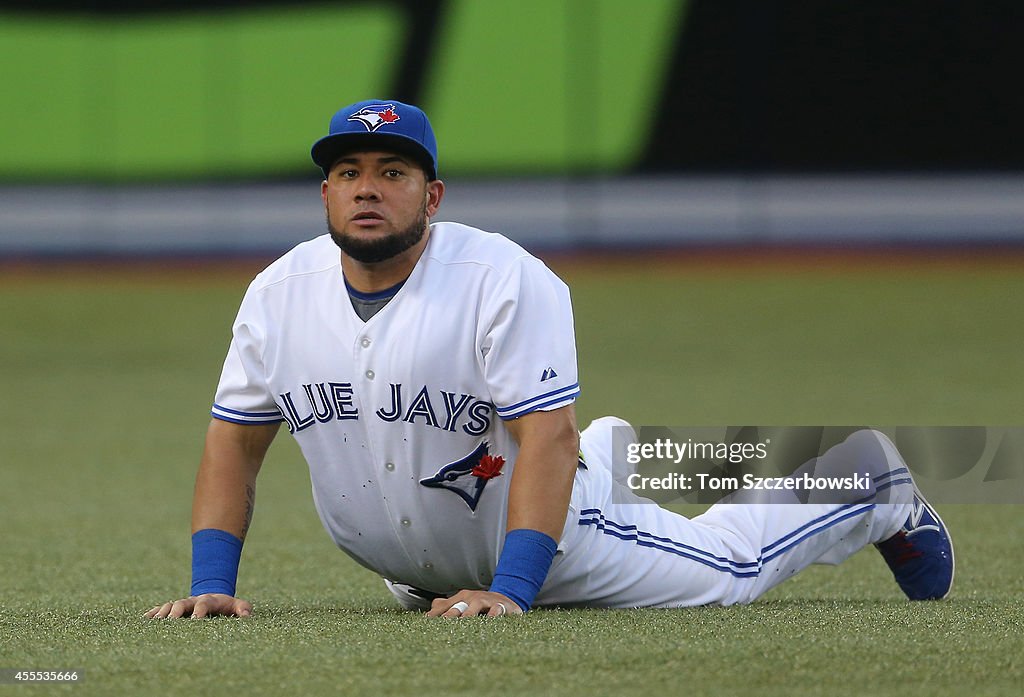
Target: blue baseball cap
x,y
378,124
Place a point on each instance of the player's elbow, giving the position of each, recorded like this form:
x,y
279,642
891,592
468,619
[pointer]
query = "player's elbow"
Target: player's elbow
x,y
569,437
564,436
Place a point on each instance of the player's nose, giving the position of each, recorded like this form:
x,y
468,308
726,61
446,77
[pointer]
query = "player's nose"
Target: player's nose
x,y
368,189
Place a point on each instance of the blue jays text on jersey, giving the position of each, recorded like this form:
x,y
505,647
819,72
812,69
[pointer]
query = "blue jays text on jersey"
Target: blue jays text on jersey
x,y
321,402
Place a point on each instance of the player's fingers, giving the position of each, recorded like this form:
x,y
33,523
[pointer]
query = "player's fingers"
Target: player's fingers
x,y
211,604
476,608
481,606
439,606
504,607
498,609
242,608
153,612
163,610
182,607
202,607
459,609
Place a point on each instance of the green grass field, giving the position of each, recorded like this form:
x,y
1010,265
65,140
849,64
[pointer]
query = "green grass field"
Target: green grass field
x,y
106,389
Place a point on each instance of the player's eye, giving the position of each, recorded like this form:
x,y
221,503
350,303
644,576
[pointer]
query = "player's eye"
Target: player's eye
x,y
393,173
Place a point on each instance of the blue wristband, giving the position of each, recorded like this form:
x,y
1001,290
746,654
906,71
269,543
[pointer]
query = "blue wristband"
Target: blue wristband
x,y
215,556
524,564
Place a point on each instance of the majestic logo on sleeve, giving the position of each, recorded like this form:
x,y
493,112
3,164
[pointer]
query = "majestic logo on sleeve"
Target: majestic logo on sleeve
x,y
375,116
468,477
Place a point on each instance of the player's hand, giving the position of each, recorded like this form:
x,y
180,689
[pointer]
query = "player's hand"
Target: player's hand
x,y
476,603
206,605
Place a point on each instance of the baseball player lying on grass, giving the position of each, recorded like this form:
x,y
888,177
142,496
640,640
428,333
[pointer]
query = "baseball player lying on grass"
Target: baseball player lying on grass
x,y
428,373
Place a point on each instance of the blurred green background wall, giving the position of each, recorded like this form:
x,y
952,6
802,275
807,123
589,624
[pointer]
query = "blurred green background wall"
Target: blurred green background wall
x,y
531,85
182,89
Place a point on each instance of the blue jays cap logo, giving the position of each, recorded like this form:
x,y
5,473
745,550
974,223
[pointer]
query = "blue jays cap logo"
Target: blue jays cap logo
x,y
375,116
468,477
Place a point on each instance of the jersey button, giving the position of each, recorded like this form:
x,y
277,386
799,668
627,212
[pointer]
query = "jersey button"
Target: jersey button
x,y
366,342
389,466
428,565
369,374
406,522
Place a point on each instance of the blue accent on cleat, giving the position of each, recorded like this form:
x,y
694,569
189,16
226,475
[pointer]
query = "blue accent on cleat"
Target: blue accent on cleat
x,y
920,554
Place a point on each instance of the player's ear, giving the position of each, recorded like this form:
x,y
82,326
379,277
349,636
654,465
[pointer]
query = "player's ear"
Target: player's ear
x,y
435,192
323,192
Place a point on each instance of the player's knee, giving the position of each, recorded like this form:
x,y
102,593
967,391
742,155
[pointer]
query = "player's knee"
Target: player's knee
x,y
605,443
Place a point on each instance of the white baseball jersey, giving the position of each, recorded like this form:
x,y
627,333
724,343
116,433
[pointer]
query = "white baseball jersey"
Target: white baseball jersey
x,y
399,417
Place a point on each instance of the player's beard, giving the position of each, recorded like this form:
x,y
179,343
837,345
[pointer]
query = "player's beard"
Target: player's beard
x,y
371,251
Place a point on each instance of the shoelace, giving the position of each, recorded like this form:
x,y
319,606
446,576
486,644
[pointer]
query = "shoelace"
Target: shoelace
x,y
898,550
